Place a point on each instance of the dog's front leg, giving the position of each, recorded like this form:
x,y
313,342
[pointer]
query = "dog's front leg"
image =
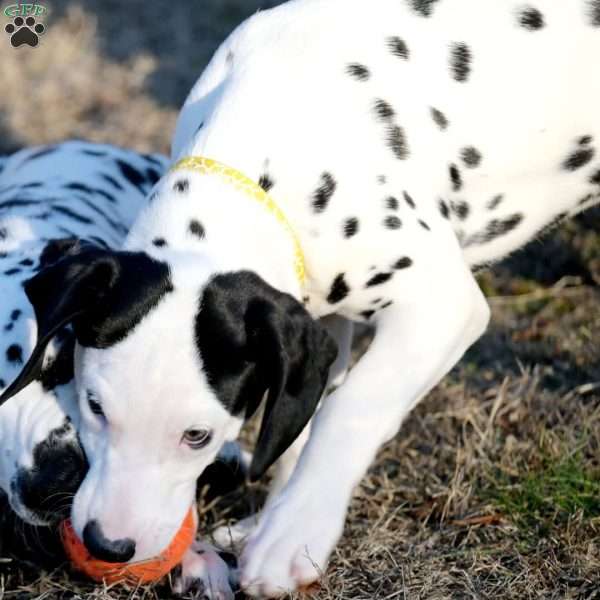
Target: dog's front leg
x,y
418,341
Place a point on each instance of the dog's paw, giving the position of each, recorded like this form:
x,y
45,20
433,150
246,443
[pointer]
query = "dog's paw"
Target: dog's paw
x,y
231,536
291,546
24,31
205,574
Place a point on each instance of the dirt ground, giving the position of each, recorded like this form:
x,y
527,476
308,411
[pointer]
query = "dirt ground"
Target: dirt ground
x,y
492,487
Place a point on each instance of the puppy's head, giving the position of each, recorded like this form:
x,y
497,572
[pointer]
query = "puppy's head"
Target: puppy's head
x,y
170,359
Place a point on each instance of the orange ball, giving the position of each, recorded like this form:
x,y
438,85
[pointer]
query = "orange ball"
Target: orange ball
x,y
146,571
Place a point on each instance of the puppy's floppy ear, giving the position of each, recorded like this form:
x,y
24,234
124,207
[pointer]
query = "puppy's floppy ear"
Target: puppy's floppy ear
x,y
102,293
253,338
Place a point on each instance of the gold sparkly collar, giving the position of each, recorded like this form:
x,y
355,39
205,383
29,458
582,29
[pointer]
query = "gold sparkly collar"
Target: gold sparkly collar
x,y
208,166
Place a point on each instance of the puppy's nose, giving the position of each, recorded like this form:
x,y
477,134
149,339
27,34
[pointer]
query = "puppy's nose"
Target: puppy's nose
x,y
104,549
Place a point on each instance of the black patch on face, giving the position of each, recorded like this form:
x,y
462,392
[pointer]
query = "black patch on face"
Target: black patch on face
x,y
402,263
350,227
424,225
132,175
197,229
59,467
159,242
383,110
181,186
14,354
358,71
579,158
391,203
378,279
531,18
461,209
455,178
460,62
339,290
392,222
266,182
397,46
408,199
439,118
471,156
495,202
367,314
444,210
423,7
396,141
495,229
324,192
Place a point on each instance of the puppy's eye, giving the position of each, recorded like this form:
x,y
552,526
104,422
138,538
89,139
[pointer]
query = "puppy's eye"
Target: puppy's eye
x,y
94,405
197,438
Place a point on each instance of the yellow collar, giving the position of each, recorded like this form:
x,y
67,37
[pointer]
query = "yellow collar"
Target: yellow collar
x,y
238,180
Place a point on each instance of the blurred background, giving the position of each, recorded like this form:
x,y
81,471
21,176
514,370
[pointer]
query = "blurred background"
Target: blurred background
x,y
492,488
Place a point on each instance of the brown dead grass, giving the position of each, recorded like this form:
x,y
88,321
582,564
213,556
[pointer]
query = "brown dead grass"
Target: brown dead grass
x,y
488,491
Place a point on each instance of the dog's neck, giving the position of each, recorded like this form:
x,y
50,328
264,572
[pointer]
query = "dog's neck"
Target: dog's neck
x,y
206,216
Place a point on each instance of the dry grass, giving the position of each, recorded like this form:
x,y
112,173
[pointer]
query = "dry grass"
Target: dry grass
x,y
491,489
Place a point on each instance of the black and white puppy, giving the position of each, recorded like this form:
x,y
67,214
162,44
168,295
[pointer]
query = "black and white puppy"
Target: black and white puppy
x,y
403,143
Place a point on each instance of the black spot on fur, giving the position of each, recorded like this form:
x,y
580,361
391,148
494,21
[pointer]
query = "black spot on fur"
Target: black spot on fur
x,y
398,47
94,152
42,152
197,229
444,210
495,201
381,179
339,290
494,229
63,210
594,12
78,187
132,175
408,199
439,118
15,314
471,156
585,140
266,182
14,354
392,222
461,209
396,140
367,314
388,303
595,178
402,263
358,71
455,178
324,192
424,225
460,62
181,186
423,7
110,179
350,227
152,175
2,384
26,262
3,233
13,271
159,242
579,158
391,203
383,110
531,18
153,160
59,370
378,279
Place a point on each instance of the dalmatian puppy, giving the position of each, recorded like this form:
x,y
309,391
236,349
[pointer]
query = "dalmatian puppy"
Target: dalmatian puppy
x,y
47,213
345,159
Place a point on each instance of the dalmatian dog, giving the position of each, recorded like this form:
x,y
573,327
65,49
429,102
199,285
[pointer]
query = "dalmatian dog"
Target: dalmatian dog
x,y
47,213
347,160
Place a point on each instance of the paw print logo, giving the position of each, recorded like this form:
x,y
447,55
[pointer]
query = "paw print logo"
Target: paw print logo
x,y
24,31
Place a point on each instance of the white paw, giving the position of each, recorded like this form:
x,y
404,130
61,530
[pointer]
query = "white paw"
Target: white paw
x,y
291,546
231,536
204,574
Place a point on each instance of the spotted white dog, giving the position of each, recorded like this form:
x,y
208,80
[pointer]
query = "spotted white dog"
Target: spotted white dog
x,y
54,200
403,143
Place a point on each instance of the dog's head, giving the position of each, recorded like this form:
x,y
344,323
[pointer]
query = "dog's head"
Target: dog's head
x,y
170,359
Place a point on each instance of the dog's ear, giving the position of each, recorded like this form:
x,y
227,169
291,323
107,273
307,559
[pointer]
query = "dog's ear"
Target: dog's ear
x,y
83,289
253,338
